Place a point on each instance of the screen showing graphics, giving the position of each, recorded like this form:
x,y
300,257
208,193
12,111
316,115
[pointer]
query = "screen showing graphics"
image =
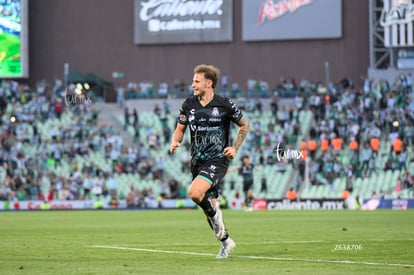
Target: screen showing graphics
x,y
13,38
291,19
183,21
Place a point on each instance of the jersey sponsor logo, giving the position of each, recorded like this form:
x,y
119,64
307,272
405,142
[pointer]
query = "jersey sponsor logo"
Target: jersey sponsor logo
x,y
215,119
203,139
208,128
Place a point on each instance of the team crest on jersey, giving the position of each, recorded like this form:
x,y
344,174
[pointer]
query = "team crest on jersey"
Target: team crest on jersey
x,y
215,112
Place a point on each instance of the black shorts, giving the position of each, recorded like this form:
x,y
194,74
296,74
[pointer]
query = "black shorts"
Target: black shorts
x,y
247,185
212,171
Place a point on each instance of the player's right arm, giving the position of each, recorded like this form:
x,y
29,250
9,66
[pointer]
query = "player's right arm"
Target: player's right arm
x,y
182,122
177,137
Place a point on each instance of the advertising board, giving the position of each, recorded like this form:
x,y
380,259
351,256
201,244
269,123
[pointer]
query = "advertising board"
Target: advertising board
x,y
291,19
183,21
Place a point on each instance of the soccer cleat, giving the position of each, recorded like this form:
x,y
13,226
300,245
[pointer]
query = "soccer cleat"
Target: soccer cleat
x,y
218,225
228,245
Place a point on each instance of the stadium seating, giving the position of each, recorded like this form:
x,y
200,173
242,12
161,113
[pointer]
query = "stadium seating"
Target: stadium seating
x,y
278,180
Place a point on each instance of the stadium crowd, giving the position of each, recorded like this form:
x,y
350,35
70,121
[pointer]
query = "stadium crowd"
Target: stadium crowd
x,y
351,122
349,126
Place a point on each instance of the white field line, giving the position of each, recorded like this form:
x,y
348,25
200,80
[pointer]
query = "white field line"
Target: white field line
x,y
281,242
253,257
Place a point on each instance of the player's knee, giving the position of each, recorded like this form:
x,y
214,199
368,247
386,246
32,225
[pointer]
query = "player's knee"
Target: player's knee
x,y
195,195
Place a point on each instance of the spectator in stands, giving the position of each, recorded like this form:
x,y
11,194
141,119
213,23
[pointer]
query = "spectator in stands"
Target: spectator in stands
x,y
112,179
135,117
174,188
403,159
366,157
166,105
409,133
258,106
130,198
312,146
263,184
283,116
398,186
159,168
274,106
21,194
164,188
166,130
303,145
408,181
87,186
157,110
397,145
120,98
126,118
350,176
372,166
353,146
324,144
291,194
185,160
58,109
337,144
389,165
375,145
345,194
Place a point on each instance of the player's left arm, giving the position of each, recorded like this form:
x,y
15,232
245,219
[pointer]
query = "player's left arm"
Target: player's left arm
x,y
230,152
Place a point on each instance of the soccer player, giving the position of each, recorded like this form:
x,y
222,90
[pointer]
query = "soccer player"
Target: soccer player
x,y
209,117
246,171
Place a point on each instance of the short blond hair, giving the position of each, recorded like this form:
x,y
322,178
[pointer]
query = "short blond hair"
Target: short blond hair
x,y
210,72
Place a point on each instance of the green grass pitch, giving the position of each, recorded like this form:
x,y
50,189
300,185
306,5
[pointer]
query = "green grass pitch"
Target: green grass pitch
x,y
180,242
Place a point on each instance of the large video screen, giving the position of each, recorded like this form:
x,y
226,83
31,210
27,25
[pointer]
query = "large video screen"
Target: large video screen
x,y
14,39
183,21
291,19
